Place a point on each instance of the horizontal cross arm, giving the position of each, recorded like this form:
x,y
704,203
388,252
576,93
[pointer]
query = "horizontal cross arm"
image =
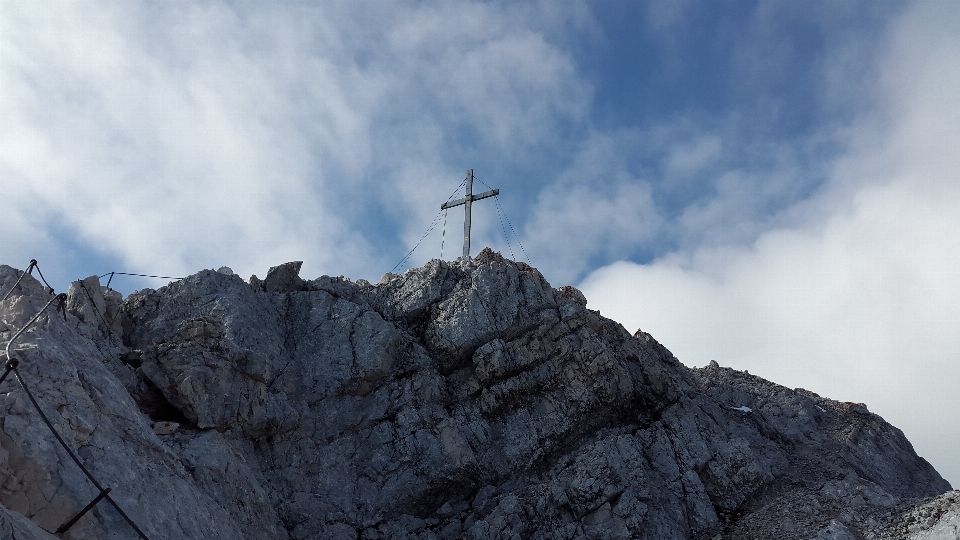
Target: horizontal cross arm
x,y
458,202
451,204
485,194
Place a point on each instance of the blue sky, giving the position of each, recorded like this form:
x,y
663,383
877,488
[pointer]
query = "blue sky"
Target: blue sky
x,y
773,185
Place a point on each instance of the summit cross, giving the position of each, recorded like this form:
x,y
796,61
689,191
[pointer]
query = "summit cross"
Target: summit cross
x,y
467,203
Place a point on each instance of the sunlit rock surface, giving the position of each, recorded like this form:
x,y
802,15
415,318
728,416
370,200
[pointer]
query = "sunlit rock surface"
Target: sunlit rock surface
x,y
464,399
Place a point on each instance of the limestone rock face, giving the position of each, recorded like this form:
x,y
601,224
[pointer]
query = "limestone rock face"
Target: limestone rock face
x,y
937,518
69,365
464,399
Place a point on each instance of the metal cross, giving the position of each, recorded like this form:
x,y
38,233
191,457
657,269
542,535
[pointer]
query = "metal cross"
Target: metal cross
x,y
467,202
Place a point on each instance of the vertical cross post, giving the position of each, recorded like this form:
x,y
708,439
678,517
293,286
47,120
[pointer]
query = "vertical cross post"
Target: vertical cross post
x,y
467,207
467,203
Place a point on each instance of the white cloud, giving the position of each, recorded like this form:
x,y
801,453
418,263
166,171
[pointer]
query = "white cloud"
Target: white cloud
x,y
859,300
575,223
168,163
201,134
596,209
688,158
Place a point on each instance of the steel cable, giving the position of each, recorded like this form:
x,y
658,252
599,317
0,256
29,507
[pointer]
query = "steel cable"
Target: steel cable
x,y
443,236
111,274
496,199
96,309
430,228
33,262
11,365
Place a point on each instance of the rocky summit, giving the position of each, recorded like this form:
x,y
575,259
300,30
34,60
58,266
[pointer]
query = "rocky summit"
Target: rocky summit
x,y
465,399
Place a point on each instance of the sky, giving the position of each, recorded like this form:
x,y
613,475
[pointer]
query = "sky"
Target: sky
x,y
771,185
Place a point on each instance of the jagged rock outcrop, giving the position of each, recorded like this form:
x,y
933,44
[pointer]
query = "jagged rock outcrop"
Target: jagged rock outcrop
x,y
464,399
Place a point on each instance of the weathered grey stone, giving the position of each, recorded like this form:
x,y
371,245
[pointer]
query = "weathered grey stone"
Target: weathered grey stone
x,y
945,527
14,526
835,531
165,427
98,308
213,461
283,278
66,370
464,399
936,518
